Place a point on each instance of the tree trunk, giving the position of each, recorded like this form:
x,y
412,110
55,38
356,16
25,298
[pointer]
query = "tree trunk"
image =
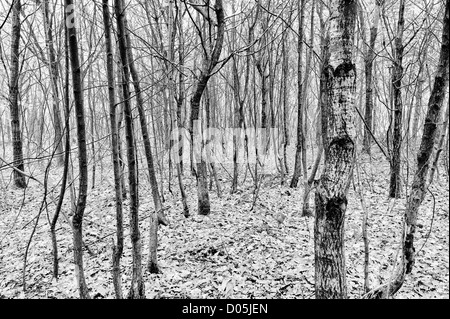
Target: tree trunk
x,y
417,109
118,247
444,130
306,185
77,219
65,176
153,264
137,283
119,123
300,127
19,178
430,130
395,185
209,64
339,145
418,188
53,67
368,68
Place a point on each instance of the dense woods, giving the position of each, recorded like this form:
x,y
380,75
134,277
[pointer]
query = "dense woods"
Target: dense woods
x,y
224,149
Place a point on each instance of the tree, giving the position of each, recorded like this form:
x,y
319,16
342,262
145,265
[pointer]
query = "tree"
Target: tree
x,y
419,185
118,248
137,290
241,96
158,214
19,178
397,76
66,156
208,64
53,68
339,144
300,111
77,220
368,69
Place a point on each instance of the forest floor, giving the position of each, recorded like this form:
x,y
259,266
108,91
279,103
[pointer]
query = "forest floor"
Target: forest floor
x,y
234,252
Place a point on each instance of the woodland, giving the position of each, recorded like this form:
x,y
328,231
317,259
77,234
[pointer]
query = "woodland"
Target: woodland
x,y
204,149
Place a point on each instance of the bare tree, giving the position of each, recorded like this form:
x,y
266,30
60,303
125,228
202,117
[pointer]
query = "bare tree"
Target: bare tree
x,y
77,219
19,178
209,62
368,69
300,110
53,68
118,248
397,76
419,186
339,144
158,214
137,290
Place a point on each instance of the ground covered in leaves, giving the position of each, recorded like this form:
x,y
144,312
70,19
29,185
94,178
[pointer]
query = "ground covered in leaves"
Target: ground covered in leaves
x,y
235,252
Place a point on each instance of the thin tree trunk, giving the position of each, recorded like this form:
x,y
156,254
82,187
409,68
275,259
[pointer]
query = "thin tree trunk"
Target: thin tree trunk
x,y
368,64
237,120
66,163
119,124
137,290
417,109
209,64
159,214
53,66
212,167
419,186
118,247
179,99
440,148
306,185
300,127
77,219
395,186
284,92
19,178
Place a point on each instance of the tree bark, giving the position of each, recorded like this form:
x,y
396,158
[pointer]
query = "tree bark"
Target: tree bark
x,y
300,127
53,68
158,212
208,65
444,130
19,178
66,161
77,219
339,136
419,186
137,290
368,68
395,186
118,247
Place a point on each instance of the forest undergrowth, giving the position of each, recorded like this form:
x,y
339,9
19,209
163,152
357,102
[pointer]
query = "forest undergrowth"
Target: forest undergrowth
x,y
236,252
